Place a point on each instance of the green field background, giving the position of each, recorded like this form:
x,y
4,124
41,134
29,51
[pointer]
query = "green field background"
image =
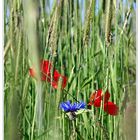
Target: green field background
x,y
93,43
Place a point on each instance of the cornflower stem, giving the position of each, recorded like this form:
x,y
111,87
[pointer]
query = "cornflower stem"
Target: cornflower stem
x,y
67,93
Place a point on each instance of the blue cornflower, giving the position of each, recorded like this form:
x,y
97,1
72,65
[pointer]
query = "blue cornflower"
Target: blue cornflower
x,y
68,107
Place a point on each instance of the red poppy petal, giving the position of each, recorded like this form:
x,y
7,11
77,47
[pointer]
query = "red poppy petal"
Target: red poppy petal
x,y
97,98
64,83
56,75
46,66
98,93
111,108
32,72
43,77
106,96
55,83
97,103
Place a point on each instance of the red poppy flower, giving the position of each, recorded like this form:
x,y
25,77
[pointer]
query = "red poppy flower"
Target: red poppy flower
x,y
46,68
57,76
96,99
55,79
106,97
111,108
64,83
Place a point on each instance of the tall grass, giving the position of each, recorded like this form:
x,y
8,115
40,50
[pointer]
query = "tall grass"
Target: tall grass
x,y
93,43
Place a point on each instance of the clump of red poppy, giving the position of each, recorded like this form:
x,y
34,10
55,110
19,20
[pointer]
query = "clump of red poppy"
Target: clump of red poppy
x,y
109,107
53,78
